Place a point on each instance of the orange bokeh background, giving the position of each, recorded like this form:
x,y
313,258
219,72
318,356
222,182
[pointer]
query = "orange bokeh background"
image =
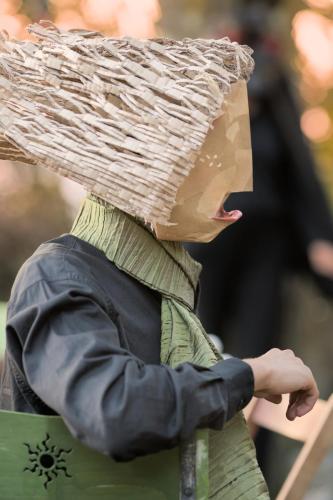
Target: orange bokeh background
x,y
116,17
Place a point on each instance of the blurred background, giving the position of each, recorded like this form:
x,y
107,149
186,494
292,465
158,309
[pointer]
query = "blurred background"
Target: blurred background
x,y
293,43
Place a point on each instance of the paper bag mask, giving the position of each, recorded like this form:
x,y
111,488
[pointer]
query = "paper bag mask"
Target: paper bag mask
x,y
223,166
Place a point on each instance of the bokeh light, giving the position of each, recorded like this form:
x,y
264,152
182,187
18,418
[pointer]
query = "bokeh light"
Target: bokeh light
x,y
313,36
10,19
100,12
10,7
316,124
138,17
113,17
12,24
67,19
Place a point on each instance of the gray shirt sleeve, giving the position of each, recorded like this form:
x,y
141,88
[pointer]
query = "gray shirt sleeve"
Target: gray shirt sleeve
x,y
109,399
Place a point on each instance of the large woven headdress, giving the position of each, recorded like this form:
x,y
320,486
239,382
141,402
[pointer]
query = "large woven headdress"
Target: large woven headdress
x,y
124,118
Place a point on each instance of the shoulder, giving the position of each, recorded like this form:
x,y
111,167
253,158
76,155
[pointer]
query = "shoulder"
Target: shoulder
x,y
56,261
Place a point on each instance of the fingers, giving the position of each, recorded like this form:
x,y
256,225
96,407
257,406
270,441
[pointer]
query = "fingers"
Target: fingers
x,y
304,407
308,397
306,402
301,402
291,413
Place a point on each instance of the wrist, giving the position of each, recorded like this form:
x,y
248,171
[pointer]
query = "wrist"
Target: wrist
x,y
261,373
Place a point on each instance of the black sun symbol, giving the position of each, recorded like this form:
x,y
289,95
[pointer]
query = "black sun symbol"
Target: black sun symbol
x,y
47,462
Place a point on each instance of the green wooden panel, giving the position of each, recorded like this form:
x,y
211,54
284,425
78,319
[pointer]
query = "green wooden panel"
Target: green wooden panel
x,y
39,460
2,328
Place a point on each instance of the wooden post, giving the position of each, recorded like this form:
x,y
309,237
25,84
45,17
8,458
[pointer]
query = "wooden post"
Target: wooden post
x,y
314,450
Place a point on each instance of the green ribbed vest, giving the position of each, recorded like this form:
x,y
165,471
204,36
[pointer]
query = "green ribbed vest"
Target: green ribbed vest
x,y
167,268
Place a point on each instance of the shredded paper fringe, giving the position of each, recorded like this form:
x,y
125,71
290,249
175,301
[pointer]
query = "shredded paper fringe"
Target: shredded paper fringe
x,y
125,118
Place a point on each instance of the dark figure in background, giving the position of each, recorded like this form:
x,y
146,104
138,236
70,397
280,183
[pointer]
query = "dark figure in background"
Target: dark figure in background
x,y
286,224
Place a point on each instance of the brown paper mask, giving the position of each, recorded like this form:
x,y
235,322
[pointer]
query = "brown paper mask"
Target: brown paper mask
x,y
124,118
223,166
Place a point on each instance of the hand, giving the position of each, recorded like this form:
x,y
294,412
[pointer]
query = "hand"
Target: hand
x,y
320,254
281,372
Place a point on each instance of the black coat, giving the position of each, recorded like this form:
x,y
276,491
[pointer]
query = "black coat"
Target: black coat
x,y
83,341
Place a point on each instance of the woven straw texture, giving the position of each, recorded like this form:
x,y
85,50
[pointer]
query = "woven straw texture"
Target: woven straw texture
x,y
125,118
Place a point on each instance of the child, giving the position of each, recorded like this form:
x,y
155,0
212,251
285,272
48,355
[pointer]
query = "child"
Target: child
x,y
101,325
